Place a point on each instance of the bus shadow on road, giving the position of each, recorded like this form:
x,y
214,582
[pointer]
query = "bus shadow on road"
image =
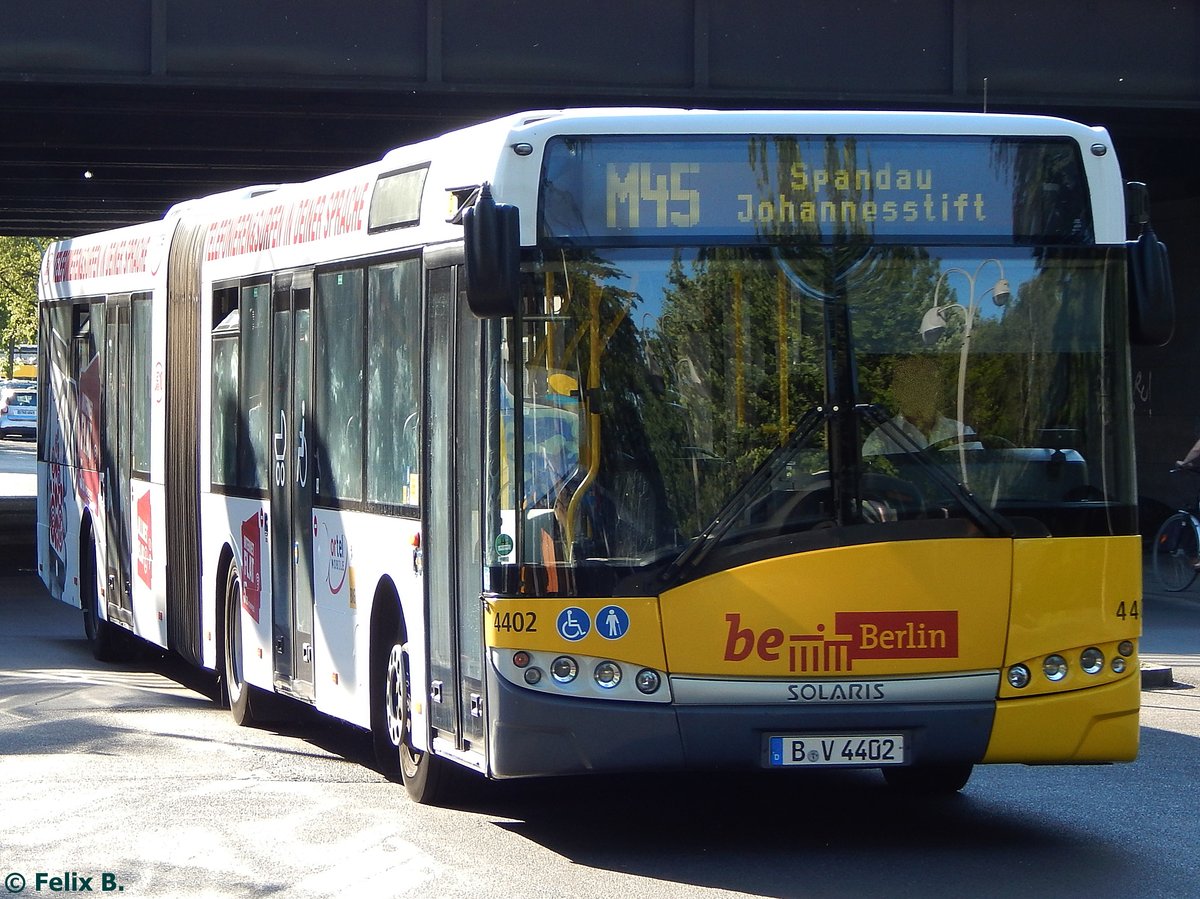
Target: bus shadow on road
x,y
845,833
810,834
828,834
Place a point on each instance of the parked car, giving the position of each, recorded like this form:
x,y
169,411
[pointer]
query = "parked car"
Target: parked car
x,y
7,388
18,412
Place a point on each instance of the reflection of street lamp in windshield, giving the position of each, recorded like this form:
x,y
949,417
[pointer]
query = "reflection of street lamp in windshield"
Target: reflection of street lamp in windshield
x,y
933,323
933,326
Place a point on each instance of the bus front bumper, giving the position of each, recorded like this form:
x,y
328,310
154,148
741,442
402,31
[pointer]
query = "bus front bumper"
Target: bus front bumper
x,y
533,734
1099,724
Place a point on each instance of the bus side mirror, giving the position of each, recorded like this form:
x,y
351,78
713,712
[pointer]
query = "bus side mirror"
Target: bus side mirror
x,y
492,251
1151,294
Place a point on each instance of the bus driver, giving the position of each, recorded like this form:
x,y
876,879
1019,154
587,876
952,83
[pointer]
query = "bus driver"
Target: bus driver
x,y
917,398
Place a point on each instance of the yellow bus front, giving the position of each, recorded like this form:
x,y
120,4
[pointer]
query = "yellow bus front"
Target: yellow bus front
x,y
814,450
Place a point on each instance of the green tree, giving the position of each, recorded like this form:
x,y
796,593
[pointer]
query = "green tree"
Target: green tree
x,y
20,260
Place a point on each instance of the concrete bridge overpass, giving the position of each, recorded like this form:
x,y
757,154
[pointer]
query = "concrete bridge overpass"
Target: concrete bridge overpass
x,y
113,111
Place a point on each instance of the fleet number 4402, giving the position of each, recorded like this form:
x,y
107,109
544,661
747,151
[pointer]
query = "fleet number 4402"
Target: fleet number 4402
x,y
515,622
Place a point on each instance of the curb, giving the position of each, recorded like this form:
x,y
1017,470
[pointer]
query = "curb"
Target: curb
x,y
1157,676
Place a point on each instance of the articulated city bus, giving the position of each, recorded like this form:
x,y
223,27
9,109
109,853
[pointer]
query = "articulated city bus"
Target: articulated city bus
x,y
24,362
610,440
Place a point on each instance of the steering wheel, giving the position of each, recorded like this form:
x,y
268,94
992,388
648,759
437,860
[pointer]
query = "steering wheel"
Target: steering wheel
x,y
883,498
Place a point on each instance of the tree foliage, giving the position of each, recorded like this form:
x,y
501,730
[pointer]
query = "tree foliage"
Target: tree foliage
x,y
20,259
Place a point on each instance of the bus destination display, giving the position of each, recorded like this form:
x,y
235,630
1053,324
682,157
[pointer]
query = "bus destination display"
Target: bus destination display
x,y
814,188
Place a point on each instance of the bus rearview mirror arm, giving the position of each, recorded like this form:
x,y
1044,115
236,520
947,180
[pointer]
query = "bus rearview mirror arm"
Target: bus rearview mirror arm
x,y
492,251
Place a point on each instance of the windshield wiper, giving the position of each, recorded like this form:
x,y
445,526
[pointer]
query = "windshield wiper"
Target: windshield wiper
x,y
992,522
695,552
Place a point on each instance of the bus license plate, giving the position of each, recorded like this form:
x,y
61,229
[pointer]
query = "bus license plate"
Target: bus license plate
x,y
835,751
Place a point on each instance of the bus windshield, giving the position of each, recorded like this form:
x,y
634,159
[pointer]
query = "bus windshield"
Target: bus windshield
x,y
741,396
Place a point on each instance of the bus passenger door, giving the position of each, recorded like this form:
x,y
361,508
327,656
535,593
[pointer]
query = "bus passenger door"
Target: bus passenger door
x,y
115,459
291,484
452,501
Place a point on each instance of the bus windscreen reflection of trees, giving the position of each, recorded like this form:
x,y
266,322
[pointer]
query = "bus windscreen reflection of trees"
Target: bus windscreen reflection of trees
x,y
657,381
1030,368
745,334
696,381
593,489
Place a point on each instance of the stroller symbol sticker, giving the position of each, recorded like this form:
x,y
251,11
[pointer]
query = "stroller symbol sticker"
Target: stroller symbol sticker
x,y
573,624
612,623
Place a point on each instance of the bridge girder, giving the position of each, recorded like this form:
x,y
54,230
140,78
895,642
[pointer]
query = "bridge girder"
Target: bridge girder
x,y
114,111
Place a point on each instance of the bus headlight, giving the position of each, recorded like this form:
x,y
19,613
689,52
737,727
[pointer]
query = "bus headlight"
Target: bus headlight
x,y
533,676
563,669
607,674
1054,667
1118,665
1091,660
647,680
1018,676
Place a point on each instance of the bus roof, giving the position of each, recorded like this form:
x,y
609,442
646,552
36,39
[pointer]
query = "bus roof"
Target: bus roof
x,y
270,218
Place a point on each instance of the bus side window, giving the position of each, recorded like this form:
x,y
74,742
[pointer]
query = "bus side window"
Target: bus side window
x,y
254,386
339,384
224,432
393,380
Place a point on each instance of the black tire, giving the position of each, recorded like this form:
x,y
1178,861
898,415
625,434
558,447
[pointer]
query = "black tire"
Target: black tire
x,y
384,742
1176,553
928,780
237,691
424,775
108,642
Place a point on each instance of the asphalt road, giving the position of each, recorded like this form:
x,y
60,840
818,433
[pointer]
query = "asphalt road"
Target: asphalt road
x,y
129,779
18,510
18,467
131,772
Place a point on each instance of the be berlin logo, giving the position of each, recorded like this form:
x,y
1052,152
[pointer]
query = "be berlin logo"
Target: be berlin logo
x,y
67,882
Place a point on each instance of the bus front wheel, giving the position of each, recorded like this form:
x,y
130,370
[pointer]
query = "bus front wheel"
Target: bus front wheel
x,y
421,772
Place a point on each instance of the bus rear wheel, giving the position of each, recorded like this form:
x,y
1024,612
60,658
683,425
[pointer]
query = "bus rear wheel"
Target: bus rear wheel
x,y
928,780
108,642
423,774
236,689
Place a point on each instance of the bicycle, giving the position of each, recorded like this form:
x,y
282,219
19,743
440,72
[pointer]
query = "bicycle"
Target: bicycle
x,y
1176,548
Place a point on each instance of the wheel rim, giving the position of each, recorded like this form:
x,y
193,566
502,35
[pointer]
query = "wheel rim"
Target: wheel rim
x,y
1182,571
394,696
1174,566
1175,555
399,723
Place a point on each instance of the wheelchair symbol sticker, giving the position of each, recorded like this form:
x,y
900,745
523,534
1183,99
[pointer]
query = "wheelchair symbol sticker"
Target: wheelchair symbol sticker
x,y
573,623
612,622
